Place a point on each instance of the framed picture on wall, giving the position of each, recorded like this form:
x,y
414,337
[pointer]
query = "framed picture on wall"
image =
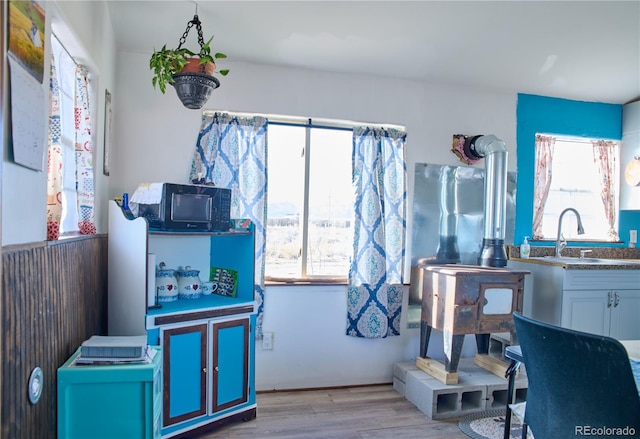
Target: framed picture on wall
x,y
26,35
108,118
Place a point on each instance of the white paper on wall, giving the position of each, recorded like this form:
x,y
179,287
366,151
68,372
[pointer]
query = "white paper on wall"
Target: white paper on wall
x,y
28,117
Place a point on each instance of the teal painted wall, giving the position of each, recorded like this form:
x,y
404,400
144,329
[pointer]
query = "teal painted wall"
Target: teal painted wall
x,y
540,114
629,219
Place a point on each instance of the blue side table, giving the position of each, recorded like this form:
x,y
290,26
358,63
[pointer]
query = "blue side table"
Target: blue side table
x,y
110,401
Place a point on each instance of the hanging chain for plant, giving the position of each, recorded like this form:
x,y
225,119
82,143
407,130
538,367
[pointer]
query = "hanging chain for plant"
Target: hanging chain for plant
x,y
197,23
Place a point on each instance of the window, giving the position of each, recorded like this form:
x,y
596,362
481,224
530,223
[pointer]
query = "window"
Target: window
x,y
310,201
576,183
70,175
65,69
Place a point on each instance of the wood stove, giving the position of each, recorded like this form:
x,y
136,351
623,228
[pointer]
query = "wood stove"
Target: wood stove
x,y
465,299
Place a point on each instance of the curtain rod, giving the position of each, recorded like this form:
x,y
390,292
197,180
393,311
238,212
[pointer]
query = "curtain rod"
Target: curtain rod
x,y
65,49
309,124
588,140
277,119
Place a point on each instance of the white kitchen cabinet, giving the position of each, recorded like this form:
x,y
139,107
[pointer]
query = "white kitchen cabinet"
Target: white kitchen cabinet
x,y
625,317
603,302
587,311
615,313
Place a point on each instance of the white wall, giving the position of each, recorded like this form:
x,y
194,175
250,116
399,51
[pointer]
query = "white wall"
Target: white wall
x,y
310,348
155,138
24,191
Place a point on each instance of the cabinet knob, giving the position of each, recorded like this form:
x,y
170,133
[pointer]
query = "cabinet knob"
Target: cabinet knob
x,y
204,369
215,368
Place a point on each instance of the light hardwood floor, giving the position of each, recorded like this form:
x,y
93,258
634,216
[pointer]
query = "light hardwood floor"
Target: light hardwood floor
x,y
370,412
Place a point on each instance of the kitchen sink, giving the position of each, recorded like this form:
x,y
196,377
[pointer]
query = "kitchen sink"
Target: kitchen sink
x,y
586,261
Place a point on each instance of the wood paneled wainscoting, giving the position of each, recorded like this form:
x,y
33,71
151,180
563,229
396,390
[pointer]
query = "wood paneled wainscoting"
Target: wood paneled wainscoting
x,y
54,296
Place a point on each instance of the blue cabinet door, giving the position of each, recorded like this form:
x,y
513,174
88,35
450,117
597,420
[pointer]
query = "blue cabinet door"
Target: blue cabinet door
x,y
230,363
184,373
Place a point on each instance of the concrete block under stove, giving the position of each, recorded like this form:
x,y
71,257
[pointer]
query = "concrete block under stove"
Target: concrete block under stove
x,y
468,299
477,390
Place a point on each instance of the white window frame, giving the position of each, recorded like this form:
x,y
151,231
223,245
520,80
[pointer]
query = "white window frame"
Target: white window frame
x,y
569,219
76,50
308,124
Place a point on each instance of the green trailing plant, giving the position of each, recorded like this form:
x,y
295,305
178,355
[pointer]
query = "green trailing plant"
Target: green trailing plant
x,y
167,62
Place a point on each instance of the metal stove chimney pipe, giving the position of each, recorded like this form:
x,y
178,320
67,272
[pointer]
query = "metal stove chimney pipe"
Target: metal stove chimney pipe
x,y
493,253
448,252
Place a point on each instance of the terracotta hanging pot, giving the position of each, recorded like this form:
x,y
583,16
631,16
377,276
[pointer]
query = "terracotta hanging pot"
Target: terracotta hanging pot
x,y
194,82
193,66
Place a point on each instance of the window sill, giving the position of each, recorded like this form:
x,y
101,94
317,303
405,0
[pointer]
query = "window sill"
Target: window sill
x,y
273,282
62,239
304,282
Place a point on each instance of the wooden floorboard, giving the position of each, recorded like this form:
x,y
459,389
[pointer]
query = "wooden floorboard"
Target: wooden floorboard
x,y
368,412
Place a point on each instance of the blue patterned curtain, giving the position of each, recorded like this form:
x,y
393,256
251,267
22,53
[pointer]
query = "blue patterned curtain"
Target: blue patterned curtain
x,y
231,152
374,300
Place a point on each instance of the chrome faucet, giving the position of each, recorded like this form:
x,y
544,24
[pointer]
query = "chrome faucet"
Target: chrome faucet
x,y
560,241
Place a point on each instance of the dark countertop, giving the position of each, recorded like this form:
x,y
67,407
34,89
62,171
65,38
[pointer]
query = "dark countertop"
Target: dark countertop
x,y
572,263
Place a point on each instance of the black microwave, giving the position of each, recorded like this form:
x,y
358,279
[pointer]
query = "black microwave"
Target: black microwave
x,y
194,207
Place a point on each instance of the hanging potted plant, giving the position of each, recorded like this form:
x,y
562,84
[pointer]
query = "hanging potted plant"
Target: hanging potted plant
x,y
190,73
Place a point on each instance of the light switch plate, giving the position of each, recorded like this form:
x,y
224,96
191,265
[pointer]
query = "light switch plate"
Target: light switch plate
x,y
267,341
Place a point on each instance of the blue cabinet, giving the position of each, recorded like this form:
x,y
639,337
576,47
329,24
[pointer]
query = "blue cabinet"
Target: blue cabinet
x,y
208,345
208,372
106,402
230,364
185,373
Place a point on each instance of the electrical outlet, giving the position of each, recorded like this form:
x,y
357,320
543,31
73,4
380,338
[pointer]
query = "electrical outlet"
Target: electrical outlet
x,y
267,341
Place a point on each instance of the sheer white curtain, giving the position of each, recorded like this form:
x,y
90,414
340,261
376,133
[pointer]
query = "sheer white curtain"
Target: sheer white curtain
x,y
604,156
544,157
70,164
54,159
84,153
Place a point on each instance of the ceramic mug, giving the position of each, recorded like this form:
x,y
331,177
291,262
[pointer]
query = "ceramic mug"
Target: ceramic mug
x,y
208,287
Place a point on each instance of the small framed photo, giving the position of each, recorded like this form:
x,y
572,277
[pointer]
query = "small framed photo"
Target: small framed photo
x,y
226,281
108,119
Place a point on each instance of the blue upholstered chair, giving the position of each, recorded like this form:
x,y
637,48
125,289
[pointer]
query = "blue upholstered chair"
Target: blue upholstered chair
x,y
579,384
